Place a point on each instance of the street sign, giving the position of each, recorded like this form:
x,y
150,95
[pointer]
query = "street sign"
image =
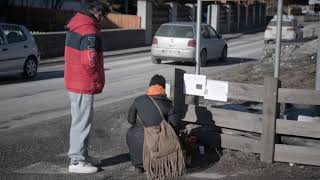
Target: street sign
x,y
312,2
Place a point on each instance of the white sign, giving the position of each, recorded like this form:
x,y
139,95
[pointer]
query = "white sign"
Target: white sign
x,y
216,90
168,90
194,84
311,2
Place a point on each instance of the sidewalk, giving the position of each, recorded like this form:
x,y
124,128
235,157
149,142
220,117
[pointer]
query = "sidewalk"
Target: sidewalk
x,y
148,48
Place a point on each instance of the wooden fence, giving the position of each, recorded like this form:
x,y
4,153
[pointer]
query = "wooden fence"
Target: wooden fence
x,y
267,124
41,19
123,21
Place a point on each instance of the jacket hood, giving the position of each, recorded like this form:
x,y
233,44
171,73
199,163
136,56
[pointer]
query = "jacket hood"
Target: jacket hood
x,y
82,19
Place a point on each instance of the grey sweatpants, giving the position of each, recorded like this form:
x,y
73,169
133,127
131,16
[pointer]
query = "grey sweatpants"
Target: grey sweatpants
x,y
82,116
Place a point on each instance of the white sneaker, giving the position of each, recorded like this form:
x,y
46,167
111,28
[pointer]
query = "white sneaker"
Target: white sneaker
x,y
82,167
94,161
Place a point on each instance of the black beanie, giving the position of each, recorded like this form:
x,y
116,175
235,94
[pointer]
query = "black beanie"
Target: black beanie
x,y
158,79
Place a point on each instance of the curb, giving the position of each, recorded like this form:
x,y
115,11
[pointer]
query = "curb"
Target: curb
x,y
237,35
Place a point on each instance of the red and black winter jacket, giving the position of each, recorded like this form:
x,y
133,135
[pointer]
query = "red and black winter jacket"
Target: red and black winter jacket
x,y
84,71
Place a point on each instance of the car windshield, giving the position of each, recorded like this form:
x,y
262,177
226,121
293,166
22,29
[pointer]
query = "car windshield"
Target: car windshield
x,y
284,23
175,31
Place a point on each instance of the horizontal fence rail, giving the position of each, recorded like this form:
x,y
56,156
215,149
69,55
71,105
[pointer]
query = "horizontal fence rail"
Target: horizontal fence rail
x,y
224,118
297,154
299,96
297,128
247,92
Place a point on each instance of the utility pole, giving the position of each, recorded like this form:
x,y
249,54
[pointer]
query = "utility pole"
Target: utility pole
x,y
318,61
278,40
199,14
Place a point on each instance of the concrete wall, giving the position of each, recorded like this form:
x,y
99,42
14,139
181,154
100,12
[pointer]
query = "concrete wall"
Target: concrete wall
x,y
52,44
145,11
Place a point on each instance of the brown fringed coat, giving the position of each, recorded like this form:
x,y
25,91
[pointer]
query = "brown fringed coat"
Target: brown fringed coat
x,y
150,116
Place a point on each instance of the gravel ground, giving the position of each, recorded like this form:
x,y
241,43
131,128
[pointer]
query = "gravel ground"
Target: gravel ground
x,y
297,67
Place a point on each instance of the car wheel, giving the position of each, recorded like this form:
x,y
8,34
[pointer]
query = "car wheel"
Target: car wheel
x,y
155,60
203,58
224,54
30,69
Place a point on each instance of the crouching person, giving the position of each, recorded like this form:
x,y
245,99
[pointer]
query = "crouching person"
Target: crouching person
x,y
153,144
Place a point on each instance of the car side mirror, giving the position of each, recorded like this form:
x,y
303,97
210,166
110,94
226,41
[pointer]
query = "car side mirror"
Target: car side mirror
x,y
301,26
219,36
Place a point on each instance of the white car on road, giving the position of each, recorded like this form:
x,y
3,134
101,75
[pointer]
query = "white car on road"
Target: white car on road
x,y
18,51
177,41
291,31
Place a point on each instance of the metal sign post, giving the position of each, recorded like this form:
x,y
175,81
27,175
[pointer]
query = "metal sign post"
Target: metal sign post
x,y
199,12
278,40
318,62
317,78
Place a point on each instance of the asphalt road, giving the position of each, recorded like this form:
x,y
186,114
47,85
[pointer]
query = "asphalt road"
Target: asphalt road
x,y
26,102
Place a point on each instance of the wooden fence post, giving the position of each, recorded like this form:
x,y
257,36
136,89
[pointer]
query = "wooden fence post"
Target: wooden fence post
x,y
179,96
270,114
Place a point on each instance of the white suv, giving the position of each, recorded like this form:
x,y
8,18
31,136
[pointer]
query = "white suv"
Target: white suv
x,y
291,31
18,51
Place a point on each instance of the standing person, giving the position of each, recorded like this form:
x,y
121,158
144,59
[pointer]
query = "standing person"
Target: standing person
x,y
144,113
84,77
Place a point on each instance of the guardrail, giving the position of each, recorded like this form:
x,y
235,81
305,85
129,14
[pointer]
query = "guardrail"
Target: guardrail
x,y
268,124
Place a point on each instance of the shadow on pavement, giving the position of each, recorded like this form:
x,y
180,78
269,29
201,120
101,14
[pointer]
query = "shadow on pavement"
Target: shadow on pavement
x,y
229,61
15,79
122,158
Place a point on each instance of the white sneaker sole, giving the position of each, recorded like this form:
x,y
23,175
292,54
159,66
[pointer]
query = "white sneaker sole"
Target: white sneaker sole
x,y
82,171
